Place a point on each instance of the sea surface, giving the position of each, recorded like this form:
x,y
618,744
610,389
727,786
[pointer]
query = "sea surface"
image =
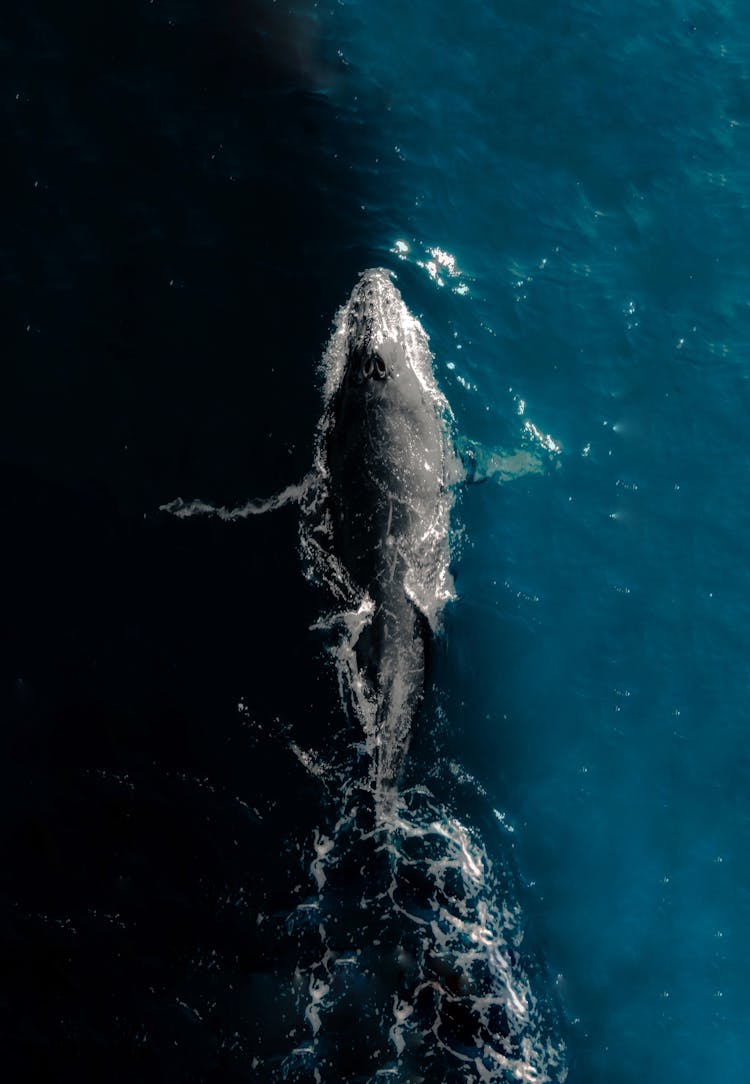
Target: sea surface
x,y
562,190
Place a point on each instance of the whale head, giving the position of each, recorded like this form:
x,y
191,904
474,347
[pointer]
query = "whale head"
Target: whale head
x,y
375,353
382,382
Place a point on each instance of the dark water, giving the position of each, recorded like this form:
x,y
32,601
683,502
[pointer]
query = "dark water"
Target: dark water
x,y
193,191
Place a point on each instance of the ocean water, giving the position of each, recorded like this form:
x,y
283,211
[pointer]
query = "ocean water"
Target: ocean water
x,y
561,190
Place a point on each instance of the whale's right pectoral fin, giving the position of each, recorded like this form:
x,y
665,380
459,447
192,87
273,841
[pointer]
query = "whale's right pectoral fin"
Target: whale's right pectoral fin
x,y
480,463
183,509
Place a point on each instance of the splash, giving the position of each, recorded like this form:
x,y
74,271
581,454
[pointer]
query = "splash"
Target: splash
x,y
426,939
439,265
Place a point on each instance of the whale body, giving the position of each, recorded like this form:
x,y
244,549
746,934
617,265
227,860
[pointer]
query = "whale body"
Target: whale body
x,y
376,513
387,468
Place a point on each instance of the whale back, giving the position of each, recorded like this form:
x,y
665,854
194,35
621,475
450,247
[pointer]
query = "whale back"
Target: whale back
x,y
376,528
387,453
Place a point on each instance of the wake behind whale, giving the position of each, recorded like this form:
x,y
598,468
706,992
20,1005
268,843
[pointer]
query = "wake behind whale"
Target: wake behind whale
x,y
405,960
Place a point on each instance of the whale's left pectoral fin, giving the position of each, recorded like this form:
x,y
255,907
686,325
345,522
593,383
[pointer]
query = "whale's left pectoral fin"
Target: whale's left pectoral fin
x,y
480,463
183,509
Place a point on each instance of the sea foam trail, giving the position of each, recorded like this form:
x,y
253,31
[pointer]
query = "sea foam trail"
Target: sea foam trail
x,y
414,926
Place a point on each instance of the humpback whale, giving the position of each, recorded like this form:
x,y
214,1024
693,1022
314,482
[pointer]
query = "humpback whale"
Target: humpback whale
x,y
376,512
387,472
405,960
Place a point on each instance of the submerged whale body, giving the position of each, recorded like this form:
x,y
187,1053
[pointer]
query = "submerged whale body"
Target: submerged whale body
x,y
387,466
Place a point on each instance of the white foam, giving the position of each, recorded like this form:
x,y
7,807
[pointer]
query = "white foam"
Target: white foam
x,y
468,925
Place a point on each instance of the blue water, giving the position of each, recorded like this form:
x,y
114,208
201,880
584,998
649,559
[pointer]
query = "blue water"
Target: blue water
x,y
195,195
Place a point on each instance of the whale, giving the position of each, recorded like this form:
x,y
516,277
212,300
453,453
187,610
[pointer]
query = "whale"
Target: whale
x,y
376,514
376,508
404,959
388,469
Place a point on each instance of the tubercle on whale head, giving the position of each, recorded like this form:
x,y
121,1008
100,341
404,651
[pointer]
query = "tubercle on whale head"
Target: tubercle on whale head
x,y
372,347
373,287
